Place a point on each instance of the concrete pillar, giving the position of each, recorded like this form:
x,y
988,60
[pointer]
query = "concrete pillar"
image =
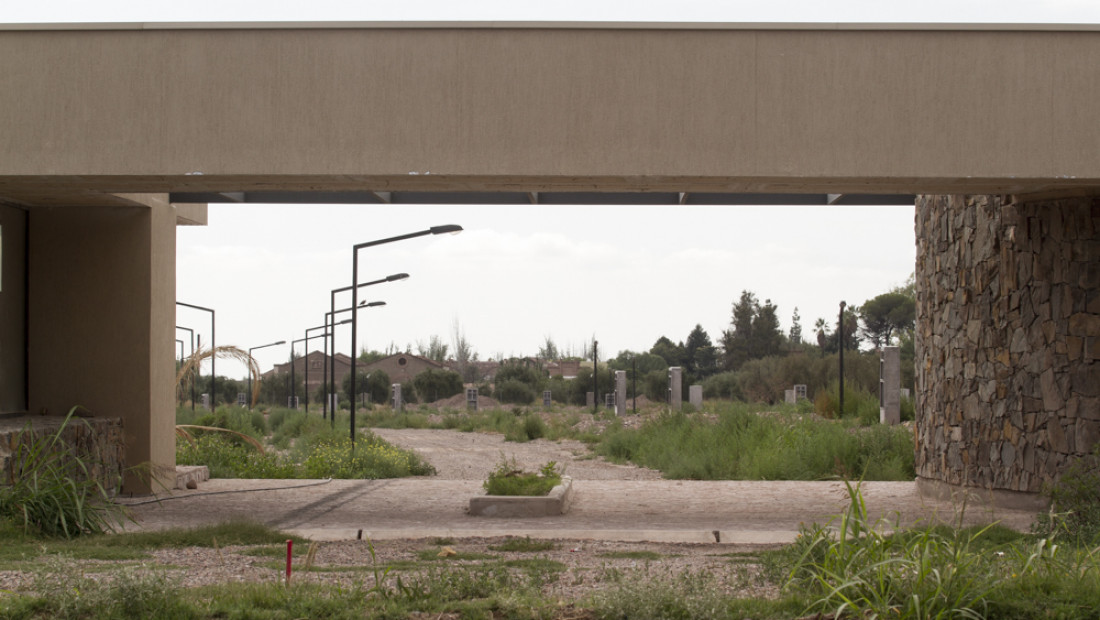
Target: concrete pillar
x,y
889,386
101,323
620,392
590,399
675,388
395,395
695,396
546,400
471,398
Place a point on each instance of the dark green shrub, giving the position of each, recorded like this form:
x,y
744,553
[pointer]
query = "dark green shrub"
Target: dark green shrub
x,y
519,372
432,385
515,392
1075,499
656,386
722,385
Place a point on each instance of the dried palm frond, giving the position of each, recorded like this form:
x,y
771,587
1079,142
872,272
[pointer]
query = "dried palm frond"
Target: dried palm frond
x,y
191,365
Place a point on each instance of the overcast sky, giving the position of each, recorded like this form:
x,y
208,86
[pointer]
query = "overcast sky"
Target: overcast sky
x,y
519,274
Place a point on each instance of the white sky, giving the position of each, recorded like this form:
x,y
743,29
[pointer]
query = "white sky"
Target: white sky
x,y
625,275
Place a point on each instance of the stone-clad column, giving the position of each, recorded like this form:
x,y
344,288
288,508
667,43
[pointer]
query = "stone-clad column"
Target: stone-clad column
x,y
1008,336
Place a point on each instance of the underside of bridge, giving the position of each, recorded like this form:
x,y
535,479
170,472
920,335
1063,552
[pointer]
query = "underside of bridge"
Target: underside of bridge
x,y
114,135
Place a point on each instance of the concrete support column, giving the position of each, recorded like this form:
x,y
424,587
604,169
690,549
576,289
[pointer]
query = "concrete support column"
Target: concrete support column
x,y
1008,338
620,392
675,388
889,388
101,320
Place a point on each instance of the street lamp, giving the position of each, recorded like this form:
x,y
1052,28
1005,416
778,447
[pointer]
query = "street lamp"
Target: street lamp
x,y
329,316
397,277
213,355
434,230
251,398
192,332
307,339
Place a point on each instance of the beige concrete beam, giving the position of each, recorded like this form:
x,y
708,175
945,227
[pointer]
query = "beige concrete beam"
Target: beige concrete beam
x,y
825,110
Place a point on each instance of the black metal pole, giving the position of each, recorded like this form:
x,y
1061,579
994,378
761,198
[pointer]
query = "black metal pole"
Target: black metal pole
x,y
250,360
192,332
840,337
435,230
595,376
634,380
213,353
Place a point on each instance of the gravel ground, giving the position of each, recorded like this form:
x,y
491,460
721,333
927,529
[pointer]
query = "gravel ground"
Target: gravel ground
x,y
472,456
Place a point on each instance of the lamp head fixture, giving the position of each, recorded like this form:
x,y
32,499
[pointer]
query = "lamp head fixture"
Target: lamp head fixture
x,y
452,229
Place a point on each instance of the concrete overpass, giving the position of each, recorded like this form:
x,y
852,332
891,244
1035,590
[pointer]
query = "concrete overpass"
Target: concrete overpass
x,y
112,133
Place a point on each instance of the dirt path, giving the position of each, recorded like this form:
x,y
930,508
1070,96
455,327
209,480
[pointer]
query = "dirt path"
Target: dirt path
x,y
471,456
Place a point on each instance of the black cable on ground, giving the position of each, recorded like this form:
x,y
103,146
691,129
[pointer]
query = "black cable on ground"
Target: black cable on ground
x,y
164,499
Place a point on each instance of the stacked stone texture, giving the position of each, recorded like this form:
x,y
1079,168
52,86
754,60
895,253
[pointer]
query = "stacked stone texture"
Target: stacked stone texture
x,y
1008,323
98,442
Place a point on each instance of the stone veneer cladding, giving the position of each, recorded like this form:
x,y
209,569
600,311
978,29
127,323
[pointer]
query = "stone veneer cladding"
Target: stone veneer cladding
x,y
1008,336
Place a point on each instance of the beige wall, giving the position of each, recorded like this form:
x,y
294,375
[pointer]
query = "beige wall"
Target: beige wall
x,y
538,108
101,315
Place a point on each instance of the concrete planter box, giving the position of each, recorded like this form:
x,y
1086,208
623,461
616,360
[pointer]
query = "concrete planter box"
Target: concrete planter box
x,y
554,504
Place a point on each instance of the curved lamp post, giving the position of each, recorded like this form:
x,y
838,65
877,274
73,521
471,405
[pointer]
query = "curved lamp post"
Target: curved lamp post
x,y
192,332
329,317
213,355
434,230
397,277
251,400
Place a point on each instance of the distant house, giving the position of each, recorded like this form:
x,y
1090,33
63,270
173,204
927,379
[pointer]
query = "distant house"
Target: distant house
x,y
401,367
315,361
568,369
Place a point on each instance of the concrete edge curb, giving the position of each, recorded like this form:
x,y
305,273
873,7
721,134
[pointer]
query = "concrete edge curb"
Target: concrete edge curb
x,y
554,504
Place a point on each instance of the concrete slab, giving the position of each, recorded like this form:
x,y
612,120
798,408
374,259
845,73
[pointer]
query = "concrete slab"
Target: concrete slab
x,y
743,512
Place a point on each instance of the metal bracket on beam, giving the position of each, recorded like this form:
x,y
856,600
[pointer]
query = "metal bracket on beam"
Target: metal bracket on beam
x,y
831,199
383,197
684,197
533,197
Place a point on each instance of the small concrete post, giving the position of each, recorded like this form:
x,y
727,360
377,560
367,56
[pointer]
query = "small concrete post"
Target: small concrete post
x,y
695,396
789,397
590,399
205,401
799,392
889,390
546,399
620,392
395,391
675,388
241,401
471,398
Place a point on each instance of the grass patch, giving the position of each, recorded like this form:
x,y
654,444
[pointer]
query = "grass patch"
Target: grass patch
x,y
508,479
536,564
524,545
743,445
632,555
433,555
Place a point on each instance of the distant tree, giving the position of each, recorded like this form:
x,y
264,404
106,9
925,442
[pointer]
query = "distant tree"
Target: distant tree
x,y
753,334
821,329
436,349
549,350
673,354
737,341
376,383
887,315
700,353
795,335
767,339
464,353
